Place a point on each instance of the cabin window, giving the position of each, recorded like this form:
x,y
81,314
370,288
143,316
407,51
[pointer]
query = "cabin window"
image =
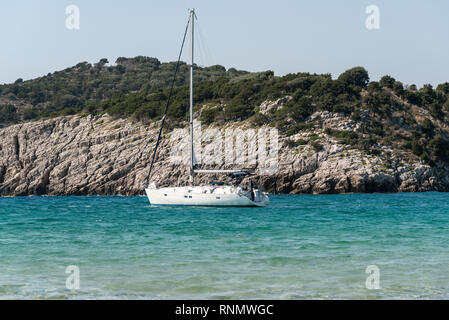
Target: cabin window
x,y
218,198
190,196
185,197
165,194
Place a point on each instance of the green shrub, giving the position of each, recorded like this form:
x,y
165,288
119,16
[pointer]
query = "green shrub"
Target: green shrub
x,y
357,76
344,136
208,115
301,142
398,88
387,81
259,119
316,146
439,148
8,114
289,143
300,127
427,126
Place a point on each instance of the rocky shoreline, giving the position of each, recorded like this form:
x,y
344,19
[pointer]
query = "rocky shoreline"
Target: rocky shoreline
x,y
99,155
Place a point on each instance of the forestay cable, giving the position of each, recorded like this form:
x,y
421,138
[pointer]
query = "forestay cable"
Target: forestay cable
x,y
166,106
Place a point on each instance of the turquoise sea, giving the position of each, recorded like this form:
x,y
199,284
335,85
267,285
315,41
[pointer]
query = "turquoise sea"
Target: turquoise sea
x,y
300,247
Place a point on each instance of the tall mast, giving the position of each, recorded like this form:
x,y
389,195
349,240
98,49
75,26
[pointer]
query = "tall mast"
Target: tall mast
x,y
192,173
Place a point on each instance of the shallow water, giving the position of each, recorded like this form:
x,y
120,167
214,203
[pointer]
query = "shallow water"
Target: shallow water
x,y
300,247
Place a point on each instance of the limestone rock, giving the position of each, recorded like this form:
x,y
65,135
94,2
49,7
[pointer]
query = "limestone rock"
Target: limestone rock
x,y
77,155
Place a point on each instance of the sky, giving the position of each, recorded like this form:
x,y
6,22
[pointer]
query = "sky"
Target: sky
x,y
319,36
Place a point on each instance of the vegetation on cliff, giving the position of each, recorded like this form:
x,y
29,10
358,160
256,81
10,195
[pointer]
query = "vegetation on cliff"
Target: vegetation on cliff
x,y
387,113
81,87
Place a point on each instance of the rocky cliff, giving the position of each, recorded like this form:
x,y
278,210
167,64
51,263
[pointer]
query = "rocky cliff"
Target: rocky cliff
x,y
77,155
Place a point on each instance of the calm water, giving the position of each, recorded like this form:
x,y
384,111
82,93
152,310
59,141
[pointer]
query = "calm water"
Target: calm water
x,y
301,247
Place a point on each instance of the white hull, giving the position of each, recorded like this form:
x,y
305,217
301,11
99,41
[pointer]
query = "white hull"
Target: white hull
x,y
205,196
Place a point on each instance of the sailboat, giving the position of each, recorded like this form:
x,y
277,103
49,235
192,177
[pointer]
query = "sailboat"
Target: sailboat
x,y
215,194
